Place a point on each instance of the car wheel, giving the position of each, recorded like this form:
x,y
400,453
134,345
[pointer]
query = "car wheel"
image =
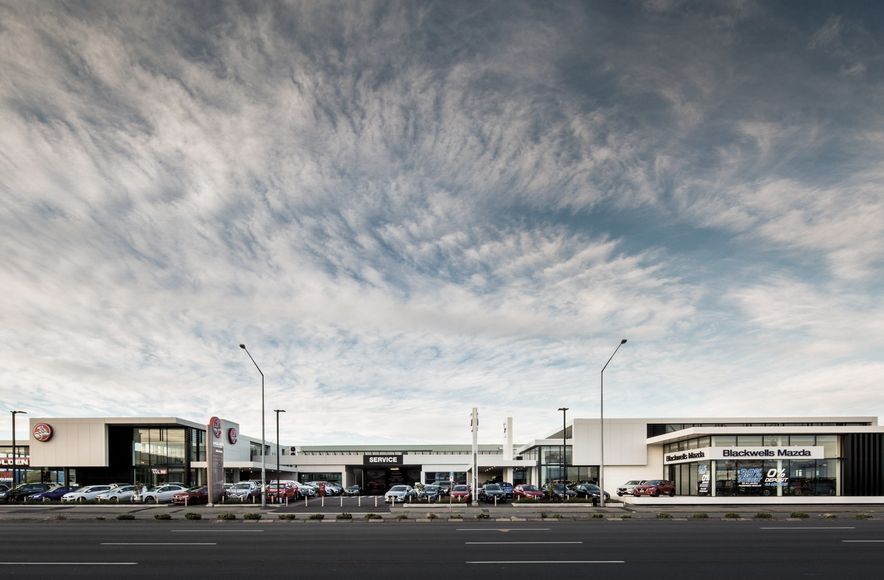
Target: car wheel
x,y
656,494
150,499
671,494
81,500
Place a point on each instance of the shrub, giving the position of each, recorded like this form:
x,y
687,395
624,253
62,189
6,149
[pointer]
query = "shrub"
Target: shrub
x,y
60,517
252,516
317,517
763,516
193,516
126,517
372,517
598,516
664,516
345,516
401,517
732,516
162,516
482,516
700,516
829,516
227,516
288,517
623,517
431,516
801,515
863,516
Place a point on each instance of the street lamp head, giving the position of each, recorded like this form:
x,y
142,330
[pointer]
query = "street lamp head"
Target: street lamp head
x,y
563,408
22,412
242,346
621,342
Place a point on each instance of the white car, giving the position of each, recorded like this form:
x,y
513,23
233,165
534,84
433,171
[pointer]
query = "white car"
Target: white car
x,y
160,494
626,488
399,494
86,493
119,494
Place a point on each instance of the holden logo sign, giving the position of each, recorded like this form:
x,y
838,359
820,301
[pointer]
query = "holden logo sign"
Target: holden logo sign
x,y
42,432
215,424
231,435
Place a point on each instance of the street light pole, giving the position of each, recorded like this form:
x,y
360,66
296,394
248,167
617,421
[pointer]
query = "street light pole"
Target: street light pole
x,y
263,442
277,411
14,450
602,428
564,411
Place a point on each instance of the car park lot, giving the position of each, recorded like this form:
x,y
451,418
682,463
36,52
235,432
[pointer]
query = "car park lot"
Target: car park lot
x,y
469,548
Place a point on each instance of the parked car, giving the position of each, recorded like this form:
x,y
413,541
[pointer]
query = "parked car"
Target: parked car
x,y
626,488
461,493
430,492
160,494
444,486
244,491
194,495
353,490
491,492
279,492
507,488
305,490
655,488
527,491
399,494
591,491
23,490
85,493
560,492
53,494
123,493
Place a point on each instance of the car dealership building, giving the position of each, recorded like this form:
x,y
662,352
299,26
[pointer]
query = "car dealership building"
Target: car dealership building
x,y
709,457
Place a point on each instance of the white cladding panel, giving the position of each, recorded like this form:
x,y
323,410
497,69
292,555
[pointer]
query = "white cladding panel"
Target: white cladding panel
x,y
74,443
625,442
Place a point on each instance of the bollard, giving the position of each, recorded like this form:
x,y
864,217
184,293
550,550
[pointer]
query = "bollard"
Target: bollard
x,y
322,501
375,501
359,500
286,501
495,501
342,501
306,501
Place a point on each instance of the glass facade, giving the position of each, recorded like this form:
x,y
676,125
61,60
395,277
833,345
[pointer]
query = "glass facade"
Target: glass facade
x,y
163,454
756,477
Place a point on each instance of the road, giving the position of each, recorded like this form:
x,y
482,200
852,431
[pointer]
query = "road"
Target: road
x,y
474,549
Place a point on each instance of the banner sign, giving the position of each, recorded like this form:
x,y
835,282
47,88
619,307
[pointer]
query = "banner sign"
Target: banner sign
x,y
215,460
382,460
744,453
19,461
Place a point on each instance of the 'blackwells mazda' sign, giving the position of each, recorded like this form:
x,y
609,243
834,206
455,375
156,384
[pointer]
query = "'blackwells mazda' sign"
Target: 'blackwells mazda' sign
x,y
745,453
382,460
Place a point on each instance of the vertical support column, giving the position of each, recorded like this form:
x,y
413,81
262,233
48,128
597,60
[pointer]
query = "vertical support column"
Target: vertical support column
x,y
713,478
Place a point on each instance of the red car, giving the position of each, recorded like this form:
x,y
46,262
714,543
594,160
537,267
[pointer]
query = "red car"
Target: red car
x,y
282,492
526,491
655,487
192,496
460,493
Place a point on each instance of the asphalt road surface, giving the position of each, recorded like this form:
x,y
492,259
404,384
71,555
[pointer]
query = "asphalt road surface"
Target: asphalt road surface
x,y
475,549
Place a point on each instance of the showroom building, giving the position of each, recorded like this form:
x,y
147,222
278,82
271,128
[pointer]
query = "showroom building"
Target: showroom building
x,y
713,457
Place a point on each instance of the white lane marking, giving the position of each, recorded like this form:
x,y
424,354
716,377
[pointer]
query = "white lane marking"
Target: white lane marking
x,y
863,541
68,563
550,562
217,531
809,528
503,529
519,543
158,544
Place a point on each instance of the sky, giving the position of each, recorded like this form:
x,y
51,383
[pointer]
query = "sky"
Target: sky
x,y
408,209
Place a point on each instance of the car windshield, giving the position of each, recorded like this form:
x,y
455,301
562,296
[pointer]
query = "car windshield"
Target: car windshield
x,y
431,487
529,488
654,482
633,482
399,488
460,488
242,486
492,487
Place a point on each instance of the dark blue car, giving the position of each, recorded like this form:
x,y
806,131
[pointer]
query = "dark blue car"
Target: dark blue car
x,y
51,495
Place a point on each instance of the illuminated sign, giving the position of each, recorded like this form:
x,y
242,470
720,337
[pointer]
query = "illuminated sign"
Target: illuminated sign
x,y
382,460
42,432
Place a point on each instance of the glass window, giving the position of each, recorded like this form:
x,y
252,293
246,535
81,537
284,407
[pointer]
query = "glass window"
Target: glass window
x,y
749,440
796,440
771,440
725,440
829,443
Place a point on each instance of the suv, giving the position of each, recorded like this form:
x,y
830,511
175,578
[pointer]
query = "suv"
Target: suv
x,y
655,487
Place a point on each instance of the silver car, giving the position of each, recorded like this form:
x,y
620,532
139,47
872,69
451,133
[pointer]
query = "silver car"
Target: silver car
x,y
85,493
123,493
399,494
160,494
626,488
